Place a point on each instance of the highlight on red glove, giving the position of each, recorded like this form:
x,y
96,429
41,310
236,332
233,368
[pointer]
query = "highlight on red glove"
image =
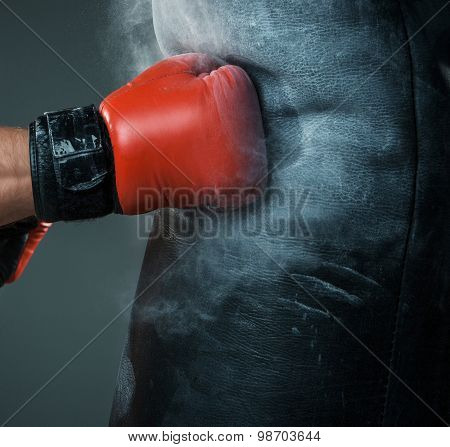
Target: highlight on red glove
x,y
34,238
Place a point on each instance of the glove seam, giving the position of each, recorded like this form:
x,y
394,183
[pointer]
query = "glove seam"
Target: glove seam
x,y
119,93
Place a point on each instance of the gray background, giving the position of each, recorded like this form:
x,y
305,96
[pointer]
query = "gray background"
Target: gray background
x,y
84,273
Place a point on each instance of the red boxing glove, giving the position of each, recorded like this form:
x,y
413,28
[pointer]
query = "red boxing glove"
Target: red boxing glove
x,y
21,252
185,125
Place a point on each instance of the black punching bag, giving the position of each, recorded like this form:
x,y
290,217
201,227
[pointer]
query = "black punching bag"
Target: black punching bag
x,y
346,320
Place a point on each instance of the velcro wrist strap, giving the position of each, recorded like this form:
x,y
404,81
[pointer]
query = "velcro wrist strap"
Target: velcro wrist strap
x,y
71,165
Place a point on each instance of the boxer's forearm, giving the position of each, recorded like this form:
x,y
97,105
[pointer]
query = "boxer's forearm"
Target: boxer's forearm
x,y
16,195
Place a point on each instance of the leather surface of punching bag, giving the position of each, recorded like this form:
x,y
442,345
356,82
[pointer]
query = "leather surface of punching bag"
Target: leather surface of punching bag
x,y
346,322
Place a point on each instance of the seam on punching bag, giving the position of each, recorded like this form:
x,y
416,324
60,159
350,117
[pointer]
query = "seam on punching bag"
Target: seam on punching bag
x,y
411,221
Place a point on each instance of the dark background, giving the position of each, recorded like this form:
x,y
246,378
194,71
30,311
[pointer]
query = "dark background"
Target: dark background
x,y
83,273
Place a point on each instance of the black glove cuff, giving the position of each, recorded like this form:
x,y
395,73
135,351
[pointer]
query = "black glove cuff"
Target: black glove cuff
x,y
72,165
